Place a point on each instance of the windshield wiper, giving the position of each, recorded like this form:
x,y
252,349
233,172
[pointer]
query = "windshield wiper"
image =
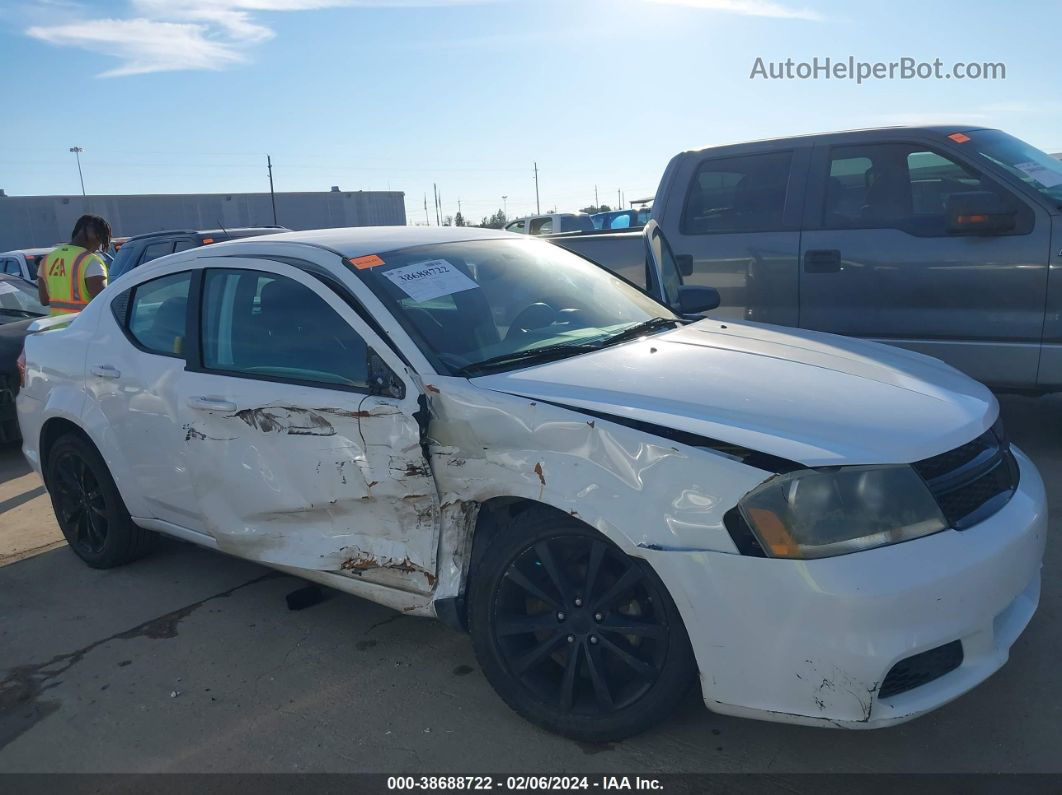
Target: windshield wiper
x,y
544,353
19,312
640,329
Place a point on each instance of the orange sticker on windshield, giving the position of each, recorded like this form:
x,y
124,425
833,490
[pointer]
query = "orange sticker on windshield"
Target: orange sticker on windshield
x,y
369,261
959,138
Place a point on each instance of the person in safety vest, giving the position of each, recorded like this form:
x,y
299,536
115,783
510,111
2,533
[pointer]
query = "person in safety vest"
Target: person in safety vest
x,y
74,274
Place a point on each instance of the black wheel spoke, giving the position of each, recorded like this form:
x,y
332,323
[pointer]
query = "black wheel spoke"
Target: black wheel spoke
x,y
597,678
622,625
567,694
517,577
526,625
536,655
593,566
545,557
629,579
643,669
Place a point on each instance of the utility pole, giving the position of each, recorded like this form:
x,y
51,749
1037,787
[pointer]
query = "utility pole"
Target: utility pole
x,y
596,202
77,150
272,196
435,189
505,207
619,200
538,208
426,221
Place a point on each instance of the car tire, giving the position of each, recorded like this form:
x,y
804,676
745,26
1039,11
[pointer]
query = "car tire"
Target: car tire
x,y
550,588
88,507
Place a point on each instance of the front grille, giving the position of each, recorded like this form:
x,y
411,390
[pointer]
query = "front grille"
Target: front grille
x,y
973,481
921,669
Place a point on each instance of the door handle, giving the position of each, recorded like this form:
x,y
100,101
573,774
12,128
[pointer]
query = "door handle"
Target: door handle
x,y
105,371
822,260
204,403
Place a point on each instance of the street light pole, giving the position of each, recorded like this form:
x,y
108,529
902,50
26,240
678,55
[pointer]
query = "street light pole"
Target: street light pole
x,y
77,150
505,207
272,195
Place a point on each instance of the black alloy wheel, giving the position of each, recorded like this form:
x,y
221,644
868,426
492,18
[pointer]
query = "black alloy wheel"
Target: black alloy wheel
x,y
88,507
583,639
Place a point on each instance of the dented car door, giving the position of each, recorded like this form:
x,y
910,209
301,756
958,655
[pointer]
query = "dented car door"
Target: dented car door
x,y
295,460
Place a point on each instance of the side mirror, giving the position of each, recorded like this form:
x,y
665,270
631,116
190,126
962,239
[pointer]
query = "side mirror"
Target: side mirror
x,y
382,380
694,299
684,263
980,213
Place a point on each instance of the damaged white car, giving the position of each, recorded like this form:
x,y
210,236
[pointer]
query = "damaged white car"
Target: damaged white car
x,y
612,498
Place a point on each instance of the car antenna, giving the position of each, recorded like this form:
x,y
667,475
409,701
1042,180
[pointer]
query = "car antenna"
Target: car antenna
x,y
221,226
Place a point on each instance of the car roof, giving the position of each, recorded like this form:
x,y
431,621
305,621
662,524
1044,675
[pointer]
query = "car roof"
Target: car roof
x,y
235,230
358,241
34,252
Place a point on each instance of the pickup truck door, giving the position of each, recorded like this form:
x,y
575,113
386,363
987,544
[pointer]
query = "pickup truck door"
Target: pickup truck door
x,y
295,459
878,261
733,221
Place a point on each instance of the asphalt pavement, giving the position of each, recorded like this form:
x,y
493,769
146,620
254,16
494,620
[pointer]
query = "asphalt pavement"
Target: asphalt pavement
x,y
192,661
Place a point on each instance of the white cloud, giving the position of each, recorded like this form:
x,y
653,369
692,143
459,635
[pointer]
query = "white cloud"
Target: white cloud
x,y
163,35
749,8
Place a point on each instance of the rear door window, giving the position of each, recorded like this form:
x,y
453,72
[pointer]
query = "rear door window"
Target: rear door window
x,y
738,194
158,312
541,226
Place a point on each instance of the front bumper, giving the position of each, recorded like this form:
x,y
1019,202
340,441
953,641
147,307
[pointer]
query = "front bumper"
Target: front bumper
x,y
810,642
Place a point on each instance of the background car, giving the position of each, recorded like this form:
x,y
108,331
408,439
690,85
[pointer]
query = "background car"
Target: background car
x,y
19,307
135,251
622,219
23,262
551,224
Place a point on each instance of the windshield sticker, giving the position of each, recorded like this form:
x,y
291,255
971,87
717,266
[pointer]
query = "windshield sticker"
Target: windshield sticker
x,y
1042,174
432,279
369,261
7,287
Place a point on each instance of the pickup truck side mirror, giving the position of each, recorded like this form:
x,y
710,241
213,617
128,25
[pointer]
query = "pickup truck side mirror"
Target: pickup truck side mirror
x,y
694,299
980,213
684,263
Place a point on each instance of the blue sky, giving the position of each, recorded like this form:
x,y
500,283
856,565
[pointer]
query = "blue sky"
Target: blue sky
x,y
177,97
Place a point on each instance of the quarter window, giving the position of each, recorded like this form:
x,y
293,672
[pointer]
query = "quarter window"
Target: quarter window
x,y
541,226
898,186
266,325
738,194
159,310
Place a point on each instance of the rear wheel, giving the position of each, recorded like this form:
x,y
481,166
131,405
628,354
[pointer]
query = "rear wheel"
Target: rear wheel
x,y
574,634
88,507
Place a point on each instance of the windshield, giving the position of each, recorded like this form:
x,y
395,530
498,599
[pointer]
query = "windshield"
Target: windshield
x,y
466,303
1035,168
18,300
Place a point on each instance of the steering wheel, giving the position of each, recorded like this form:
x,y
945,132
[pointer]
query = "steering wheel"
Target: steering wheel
x,y
537,315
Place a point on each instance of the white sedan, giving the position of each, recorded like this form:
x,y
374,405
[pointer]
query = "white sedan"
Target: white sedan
x,y
614,499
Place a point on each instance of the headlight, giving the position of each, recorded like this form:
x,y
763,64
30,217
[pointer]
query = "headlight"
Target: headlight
x,y
817,514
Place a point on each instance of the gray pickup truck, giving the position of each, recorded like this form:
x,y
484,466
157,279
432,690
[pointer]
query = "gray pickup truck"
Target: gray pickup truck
x,y
944,240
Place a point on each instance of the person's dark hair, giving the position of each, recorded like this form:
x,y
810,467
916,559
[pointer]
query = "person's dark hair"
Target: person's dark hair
x,y
97,224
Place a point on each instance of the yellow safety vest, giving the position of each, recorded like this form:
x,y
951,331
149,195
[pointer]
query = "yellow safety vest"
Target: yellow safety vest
x,y
64,272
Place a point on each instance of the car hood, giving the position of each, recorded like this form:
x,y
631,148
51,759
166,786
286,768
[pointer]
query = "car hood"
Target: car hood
x,y
817,399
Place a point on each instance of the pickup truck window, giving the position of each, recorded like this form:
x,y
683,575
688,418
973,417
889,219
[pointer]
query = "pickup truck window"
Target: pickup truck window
x,y
897,186
738,194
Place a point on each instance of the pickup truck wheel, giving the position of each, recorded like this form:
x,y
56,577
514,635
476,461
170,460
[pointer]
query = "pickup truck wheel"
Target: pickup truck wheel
x,y
88,507
575,635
